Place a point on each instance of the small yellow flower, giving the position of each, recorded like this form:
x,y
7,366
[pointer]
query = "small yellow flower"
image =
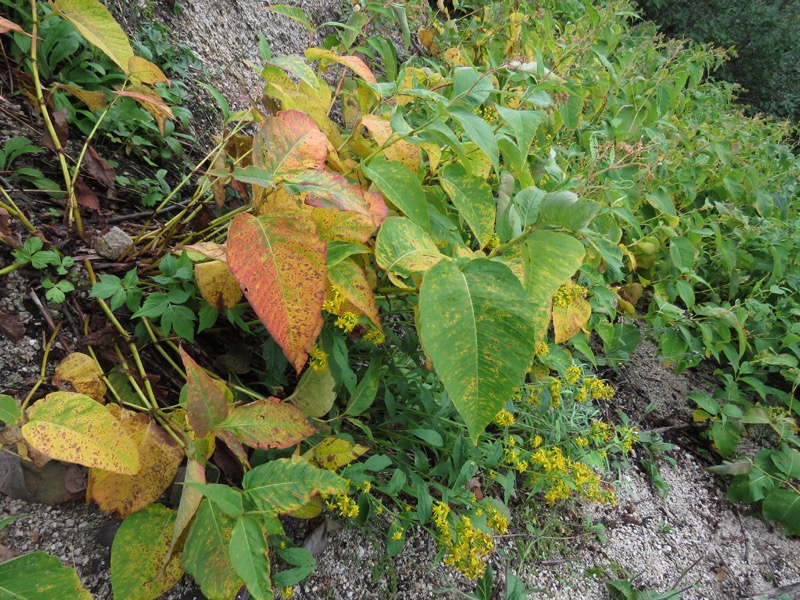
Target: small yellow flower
x,y
542,349
347,322
536,441
582,441
287,592
334,300
397,535
283,544
366,486
319,358
572,375
504,418
375,336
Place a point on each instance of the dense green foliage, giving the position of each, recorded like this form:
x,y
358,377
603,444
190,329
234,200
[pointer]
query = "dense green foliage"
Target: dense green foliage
x,y
764,35
418,280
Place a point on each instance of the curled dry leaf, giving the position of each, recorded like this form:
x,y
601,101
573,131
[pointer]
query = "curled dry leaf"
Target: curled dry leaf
x,y
99,169
60,127
86,197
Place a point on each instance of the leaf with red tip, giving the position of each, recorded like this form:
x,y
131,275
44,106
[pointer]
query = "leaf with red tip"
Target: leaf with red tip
x,y
279,261
290,141
206,401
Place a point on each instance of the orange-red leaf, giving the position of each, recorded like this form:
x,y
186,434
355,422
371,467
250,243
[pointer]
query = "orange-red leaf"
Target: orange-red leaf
x,y
290,141
354,63
159,457
206,403
268,424
279,261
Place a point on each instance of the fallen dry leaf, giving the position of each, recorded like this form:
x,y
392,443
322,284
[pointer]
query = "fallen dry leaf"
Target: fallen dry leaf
x,y
61,128
86,197
99,169
11,326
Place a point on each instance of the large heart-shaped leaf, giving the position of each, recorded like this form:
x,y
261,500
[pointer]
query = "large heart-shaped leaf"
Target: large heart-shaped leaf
x,y
288,142
268,424
473,199
286,484
279,261
477,324
74,428
159,458
140,567
205,554
206,400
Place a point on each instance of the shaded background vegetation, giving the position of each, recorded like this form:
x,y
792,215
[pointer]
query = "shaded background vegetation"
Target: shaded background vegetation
x,y
765,35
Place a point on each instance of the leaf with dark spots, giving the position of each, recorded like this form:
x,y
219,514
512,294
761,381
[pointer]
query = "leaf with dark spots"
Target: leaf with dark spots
x,y
268,424
206,398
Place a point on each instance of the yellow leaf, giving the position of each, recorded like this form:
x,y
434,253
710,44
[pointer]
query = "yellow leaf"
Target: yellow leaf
x,y
95,23
210,250
216,284
83,374
434,152
159,458
142,70
74,428
310,510
569,320
426,37
333,453
94,100
353,63
400,151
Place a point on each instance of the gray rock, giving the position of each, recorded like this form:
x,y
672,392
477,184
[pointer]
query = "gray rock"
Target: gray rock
x,y
113,244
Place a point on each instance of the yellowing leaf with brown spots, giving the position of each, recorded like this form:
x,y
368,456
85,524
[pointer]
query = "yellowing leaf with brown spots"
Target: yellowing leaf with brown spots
x,y
159,458
400,150
333,453
315,393
288,142
334,225
279,262
83,374
570,319
139,555
74,428
331,190
268,423
216,284
206,398
94,99
351,279
477,325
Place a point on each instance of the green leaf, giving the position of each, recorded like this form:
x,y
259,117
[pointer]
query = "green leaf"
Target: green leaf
x,y
783,506
403,247
95,23
268,423
154,306
206,398
366,390
294,13
429,436
139,552
402,187
788,461
39,576
477,324
566,210
10,411
205,554
228,499
315,393
725,437
479,132
528,202
549,259
471,87
74,428
250,557
286,484
473,199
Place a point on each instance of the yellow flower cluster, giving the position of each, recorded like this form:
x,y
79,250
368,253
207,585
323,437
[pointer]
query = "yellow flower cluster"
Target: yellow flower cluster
x,y
599,390
496,520
489,114
375,336
567,294
572,375
440,513
629,438
562,475
601,431
319,358
333,300
504,418
346,506
469,549
347,322
555,393
542,349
